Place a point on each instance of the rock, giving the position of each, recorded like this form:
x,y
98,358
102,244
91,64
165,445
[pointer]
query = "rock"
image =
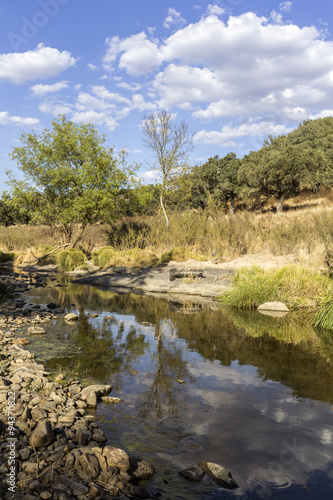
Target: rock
x,y
4,382
83,436
76,488
90,464
30,467
139,492
116,457
99,438
24,453
38,414
193,473
220,475
45,495
52,305
91,398
273,306
140,469
110,399
36,330
92,393
100,390
22,341
57,398
66,420
71,317
42,435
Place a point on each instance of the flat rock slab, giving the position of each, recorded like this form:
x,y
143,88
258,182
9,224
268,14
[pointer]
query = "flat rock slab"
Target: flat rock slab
x,y
36,330
190,278
273,306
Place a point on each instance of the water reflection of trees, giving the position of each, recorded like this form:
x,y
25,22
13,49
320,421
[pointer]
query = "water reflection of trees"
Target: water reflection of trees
x,y
162,396
285,349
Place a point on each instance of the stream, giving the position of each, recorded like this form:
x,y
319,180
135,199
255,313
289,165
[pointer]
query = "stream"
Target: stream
x,y
201,382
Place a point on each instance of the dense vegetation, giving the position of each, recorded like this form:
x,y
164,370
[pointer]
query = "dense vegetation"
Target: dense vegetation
x,y
72,178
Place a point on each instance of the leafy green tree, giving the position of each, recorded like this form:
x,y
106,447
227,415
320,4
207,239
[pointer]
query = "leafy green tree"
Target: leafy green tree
x,y
216,180
71,178
286,165
11,212
170,144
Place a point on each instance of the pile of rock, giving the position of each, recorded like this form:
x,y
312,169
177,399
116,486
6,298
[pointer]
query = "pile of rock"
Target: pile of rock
x,y
60,451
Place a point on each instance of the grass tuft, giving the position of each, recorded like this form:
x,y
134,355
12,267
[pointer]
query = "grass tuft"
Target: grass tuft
x,y
134,257
295,286
70,259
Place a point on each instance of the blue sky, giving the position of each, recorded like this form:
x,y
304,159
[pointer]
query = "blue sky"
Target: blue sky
x,y
234,70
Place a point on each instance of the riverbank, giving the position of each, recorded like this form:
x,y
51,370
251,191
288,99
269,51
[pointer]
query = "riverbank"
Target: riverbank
x,y
51,448
190,278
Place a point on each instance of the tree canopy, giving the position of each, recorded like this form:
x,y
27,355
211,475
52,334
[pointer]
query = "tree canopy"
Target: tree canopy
x,y
287,164
71,178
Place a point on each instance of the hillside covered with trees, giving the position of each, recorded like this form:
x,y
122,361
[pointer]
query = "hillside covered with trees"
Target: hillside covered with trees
x,y
69,169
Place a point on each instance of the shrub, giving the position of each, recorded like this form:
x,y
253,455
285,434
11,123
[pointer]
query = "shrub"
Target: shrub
x,y
4,291
5,257
70,259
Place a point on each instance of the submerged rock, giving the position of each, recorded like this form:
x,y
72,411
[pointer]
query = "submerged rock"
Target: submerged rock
x,y
140,469
36,329
195,473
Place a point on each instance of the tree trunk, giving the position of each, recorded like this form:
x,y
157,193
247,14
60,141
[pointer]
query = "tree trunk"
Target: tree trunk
x,y
78,238
279,207
165,214
232,206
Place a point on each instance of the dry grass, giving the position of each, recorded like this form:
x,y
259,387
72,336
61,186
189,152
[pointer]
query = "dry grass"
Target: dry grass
x,y
306,233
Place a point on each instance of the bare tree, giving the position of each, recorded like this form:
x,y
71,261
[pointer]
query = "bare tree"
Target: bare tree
x,y
170,144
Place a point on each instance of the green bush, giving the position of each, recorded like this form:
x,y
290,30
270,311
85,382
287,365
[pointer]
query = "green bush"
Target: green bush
x,y
70,259
4,291
5,257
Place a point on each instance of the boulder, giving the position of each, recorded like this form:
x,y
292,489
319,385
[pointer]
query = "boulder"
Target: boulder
x,y
98,390
220,475
140,469
116,457
42,434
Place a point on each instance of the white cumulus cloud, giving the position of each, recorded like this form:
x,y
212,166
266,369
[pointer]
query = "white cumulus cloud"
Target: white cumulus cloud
x,y
40,89
43,62
286,6
215,10
173,17
228,134
139,55
6,119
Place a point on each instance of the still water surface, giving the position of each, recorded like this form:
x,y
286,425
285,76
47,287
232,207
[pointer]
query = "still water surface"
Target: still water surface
x,y
201,382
